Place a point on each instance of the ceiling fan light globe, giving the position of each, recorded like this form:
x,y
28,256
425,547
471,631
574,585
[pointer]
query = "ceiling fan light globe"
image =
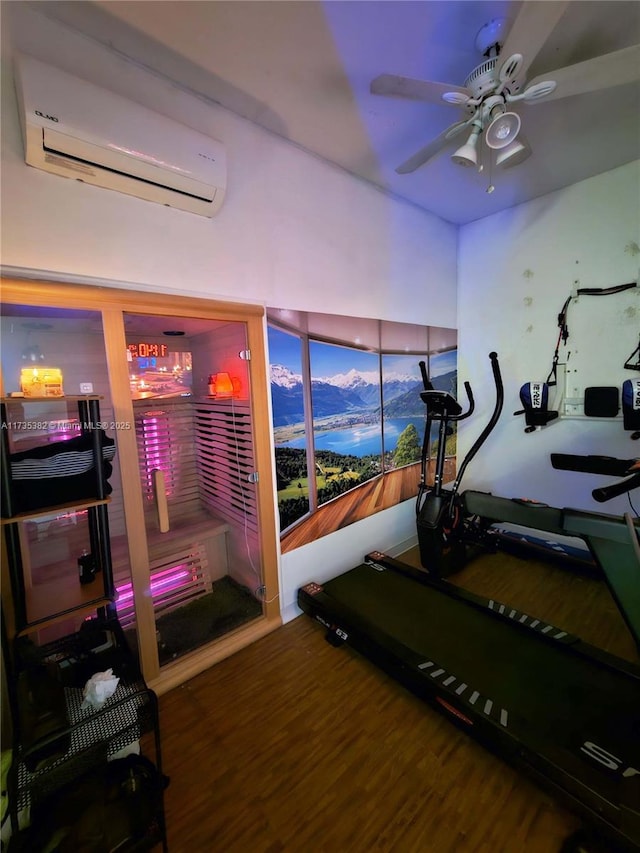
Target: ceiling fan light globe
x,y
512,154
502,130
466,155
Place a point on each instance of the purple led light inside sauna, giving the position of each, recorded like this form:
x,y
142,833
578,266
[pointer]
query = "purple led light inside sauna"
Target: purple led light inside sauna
x,y
156,456
159,582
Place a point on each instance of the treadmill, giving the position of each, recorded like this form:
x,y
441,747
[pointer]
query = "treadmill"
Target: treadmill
x,y
562,710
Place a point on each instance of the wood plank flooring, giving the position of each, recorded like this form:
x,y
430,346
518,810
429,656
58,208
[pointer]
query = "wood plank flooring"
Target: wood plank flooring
x,y
292,745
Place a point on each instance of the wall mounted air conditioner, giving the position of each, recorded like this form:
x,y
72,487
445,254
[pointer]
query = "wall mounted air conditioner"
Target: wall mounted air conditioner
x,y
75,129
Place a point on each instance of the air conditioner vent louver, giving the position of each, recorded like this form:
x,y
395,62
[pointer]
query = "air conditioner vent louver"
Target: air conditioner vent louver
x,y
62,162
76,164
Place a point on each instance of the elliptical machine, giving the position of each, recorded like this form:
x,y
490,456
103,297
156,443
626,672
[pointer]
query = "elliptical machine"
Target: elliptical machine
x,y
444,532
452,527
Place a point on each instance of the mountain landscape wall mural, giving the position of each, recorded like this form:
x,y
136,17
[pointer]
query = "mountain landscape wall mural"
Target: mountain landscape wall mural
x,y
367,417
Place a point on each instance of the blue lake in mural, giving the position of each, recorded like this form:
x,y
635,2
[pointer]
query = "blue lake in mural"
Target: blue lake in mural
x,y
362,440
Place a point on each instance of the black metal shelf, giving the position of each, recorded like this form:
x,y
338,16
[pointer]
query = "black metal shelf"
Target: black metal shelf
x,y
59,744
25,611
90,736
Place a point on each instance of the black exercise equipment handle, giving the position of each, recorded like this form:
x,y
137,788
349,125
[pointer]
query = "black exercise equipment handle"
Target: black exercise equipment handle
x,y
444,416
448,416
607,466
472,405
606,493
497,411
425,377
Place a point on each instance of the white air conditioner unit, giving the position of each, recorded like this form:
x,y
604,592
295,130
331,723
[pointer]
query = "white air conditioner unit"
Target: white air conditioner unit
x,y
75,129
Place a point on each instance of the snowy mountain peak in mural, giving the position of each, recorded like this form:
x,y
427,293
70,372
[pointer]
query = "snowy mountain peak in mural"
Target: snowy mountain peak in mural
x,y
285,378
348,392
352,379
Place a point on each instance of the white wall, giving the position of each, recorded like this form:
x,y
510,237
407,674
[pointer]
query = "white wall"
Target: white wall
x,y
293,232
516,269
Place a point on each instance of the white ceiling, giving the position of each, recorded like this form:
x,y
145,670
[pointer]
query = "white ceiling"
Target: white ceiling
x,y
302,70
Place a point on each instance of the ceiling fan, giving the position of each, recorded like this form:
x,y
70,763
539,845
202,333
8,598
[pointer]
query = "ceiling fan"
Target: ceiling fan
x,y
501,80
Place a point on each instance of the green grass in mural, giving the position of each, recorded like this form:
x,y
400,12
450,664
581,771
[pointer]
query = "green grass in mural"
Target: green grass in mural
x,y
300,488
295,489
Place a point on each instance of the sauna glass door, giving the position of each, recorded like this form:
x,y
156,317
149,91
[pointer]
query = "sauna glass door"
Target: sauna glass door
x,y
189,386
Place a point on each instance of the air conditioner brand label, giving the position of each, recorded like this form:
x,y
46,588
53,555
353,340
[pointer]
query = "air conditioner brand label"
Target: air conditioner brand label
x,y
48,117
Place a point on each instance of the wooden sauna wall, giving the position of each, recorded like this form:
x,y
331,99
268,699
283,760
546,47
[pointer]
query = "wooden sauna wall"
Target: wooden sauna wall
x,y
224,448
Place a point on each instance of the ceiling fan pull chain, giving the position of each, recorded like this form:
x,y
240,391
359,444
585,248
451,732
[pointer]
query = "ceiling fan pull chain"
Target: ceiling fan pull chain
x,y
491,187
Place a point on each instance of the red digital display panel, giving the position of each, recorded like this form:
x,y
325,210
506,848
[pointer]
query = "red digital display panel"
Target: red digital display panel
x,y
146,349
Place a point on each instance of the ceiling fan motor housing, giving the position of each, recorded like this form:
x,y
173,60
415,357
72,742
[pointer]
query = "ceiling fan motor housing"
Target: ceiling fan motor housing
x,y
483,79
486,77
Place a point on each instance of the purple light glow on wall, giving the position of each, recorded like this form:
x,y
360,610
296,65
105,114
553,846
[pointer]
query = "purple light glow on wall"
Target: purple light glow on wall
x,y
156,441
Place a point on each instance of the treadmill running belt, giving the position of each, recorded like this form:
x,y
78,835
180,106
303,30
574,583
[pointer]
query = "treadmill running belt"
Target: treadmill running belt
x,y
534,679
574,711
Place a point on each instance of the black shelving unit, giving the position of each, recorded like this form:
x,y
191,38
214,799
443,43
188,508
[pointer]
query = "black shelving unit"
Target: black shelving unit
x,y
62,747
98,522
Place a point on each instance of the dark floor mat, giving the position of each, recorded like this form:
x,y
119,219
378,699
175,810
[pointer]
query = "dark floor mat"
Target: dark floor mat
x,y
225,608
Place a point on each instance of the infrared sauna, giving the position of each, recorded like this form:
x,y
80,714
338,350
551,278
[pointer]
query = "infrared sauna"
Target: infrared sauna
x,y
189,385
182,392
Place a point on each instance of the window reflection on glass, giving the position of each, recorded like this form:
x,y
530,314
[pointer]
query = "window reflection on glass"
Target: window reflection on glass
x,y
288,426
347,429
158,370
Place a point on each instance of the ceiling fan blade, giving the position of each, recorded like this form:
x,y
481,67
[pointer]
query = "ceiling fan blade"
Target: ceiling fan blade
x,y
417,90
602,72
434,147
532,27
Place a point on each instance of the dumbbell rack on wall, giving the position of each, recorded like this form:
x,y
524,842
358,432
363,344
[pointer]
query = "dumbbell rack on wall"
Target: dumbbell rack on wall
x,y
65,763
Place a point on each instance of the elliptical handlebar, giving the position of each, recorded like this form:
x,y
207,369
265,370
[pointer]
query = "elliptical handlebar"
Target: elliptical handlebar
x,y
472,404
497,410
425,376
442,405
